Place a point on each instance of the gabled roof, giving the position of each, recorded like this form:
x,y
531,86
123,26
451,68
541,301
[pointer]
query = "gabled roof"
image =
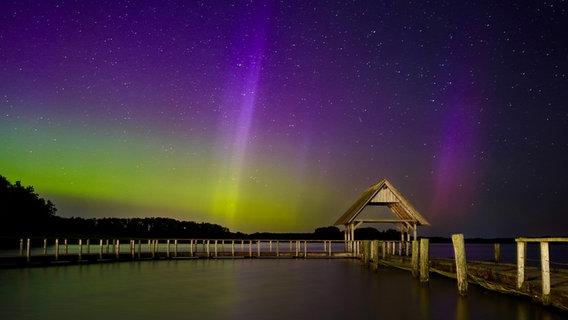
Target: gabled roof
x,y
383,194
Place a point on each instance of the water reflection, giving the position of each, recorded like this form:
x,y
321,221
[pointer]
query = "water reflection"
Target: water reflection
x,y
245,289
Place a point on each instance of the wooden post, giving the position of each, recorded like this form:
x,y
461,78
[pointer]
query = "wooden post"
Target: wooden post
x,y
139,248
132,249
424,261
375,254
88,246
250,248
497,252
28,250
305,248
80,253
384,249
521,251
100,249
207,248
258,248
415,258
366,251
153,249
545,269
117,249
21,247
65,246
44,247
233,248
329,248
175,248
56,249
277,248
215,248
461,266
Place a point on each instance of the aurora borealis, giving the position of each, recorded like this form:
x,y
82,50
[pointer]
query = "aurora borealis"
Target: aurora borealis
x,y
276,115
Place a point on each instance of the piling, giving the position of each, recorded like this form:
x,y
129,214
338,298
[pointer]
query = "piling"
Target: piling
x,y
461,266
545,269
497,252
80,253
424,261
521,252
415,258
28,250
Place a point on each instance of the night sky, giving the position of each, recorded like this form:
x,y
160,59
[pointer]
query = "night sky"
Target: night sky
x,y
276,116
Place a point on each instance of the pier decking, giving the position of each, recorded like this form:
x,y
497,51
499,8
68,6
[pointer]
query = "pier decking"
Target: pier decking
x,y
541,284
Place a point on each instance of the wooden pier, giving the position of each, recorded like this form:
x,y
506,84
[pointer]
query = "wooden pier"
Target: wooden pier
x,y
541,284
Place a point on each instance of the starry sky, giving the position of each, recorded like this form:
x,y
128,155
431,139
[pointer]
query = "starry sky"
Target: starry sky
x,y
276,115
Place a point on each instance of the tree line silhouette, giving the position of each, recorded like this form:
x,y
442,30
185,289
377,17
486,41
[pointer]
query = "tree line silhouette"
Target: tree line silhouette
x,y
26,214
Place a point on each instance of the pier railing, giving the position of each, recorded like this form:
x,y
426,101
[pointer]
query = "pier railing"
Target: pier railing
x,y
544,262
45,251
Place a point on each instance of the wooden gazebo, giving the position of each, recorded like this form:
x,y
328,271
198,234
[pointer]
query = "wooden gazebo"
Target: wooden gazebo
x,y
382,194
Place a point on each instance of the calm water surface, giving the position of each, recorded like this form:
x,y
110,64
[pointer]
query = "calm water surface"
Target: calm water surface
x,y
246,289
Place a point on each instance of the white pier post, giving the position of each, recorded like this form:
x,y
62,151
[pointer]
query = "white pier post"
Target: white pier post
x,y
545,268
28,250
521,251
80,253
56,249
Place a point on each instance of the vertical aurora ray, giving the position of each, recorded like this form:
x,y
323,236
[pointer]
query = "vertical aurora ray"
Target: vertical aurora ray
x,y
246,62
457,165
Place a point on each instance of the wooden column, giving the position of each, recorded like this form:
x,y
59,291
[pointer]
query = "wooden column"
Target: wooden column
x,y
232,248
28,250
366,251
461,266
375,254
132,249
117,248
415,258
80,252
56,249
521,251
100,249
497,252
424,261
44,247
545,269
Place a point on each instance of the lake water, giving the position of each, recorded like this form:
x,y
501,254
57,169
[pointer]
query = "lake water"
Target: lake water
x,y
247,289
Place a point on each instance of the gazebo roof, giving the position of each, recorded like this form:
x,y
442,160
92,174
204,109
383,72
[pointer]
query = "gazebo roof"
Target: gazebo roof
x,y
383,194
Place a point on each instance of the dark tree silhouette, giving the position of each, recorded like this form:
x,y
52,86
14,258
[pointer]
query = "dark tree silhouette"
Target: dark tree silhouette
x,y
23,211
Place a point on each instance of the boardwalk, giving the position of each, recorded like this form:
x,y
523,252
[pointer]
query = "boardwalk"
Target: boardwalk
x,y
501,277
50,252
